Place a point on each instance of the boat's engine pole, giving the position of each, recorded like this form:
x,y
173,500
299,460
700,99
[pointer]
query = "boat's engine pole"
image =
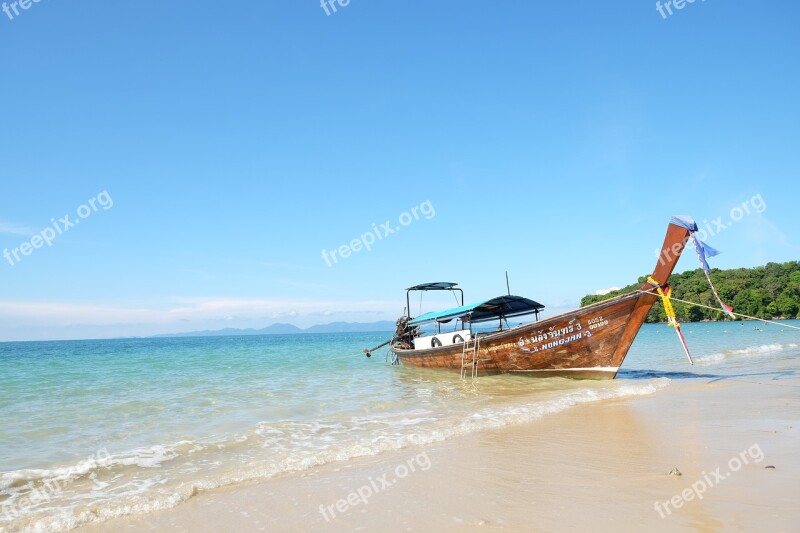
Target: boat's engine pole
x,y
401,331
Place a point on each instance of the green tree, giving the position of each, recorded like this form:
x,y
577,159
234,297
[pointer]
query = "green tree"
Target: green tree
x,y
769,291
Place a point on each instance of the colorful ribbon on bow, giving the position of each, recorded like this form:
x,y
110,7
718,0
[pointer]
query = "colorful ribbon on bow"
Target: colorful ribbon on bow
x,y
703,251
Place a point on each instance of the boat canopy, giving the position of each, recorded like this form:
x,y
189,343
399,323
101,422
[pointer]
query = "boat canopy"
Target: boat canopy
x,y
501,307
435,286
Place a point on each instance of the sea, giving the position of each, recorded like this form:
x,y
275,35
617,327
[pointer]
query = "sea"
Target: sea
x,y
97,429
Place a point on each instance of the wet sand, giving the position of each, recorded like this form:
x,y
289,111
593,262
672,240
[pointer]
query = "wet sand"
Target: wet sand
x,y
596,467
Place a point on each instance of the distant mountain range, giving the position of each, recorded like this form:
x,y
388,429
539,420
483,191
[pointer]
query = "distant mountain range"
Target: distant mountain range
x,y
284,329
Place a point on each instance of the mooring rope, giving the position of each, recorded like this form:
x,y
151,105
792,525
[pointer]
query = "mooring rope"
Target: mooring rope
x,y
717,309
698,247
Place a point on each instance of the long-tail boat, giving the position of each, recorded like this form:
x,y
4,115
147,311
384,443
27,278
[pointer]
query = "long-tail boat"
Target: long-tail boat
x,y
590,342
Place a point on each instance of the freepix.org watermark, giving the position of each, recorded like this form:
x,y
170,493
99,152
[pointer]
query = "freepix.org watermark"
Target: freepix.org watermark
x,y
53,487
756,204
374,486
330,5
366,240
665,9
12,10
710,479
58,227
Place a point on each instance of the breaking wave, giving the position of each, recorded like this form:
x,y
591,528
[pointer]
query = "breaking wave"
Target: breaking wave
x,y
106,486
743,353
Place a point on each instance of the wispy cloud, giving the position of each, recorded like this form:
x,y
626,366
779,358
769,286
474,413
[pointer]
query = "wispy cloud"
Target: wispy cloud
x,y
204,308
9,228
762,230
180,312
602,292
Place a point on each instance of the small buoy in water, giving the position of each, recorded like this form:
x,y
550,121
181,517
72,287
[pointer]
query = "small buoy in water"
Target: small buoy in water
x,y
675,472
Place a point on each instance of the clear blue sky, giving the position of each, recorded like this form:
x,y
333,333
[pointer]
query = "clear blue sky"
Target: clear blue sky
x,y
238,140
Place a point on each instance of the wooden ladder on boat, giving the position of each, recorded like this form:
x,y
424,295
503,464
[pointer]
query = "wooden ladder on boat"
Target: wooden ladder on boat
x,y
466,350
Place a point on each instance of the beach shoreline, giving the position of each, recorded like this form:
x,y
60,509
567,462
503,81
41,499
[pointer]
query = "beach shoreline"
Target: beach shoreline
x,y
602,466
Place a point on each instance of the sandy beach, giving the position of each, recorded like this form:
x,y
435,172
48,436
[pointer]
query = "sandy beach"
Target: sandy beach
x,y
602,466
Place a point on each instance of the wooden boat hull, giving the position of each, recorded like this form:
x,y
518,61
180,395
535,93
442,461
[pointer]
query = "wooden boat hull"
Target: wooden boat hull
x,y
590,342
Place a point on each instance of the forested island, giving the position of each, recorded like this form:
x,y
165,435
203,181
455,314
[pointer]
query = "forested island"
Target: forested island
x,y
769,292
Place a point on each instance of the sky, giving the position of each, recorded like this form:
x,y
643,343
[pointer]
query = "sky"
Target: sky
x,y
181,166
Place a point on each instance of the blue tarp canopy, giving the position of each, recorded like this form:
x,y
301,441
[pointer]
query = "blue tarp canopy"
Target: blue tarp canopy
x,y
435,286
500,307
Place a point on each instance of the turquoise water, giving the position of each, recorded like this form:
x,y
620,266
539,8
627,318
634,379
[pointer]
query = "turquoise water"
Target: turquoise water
x,y
96,429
